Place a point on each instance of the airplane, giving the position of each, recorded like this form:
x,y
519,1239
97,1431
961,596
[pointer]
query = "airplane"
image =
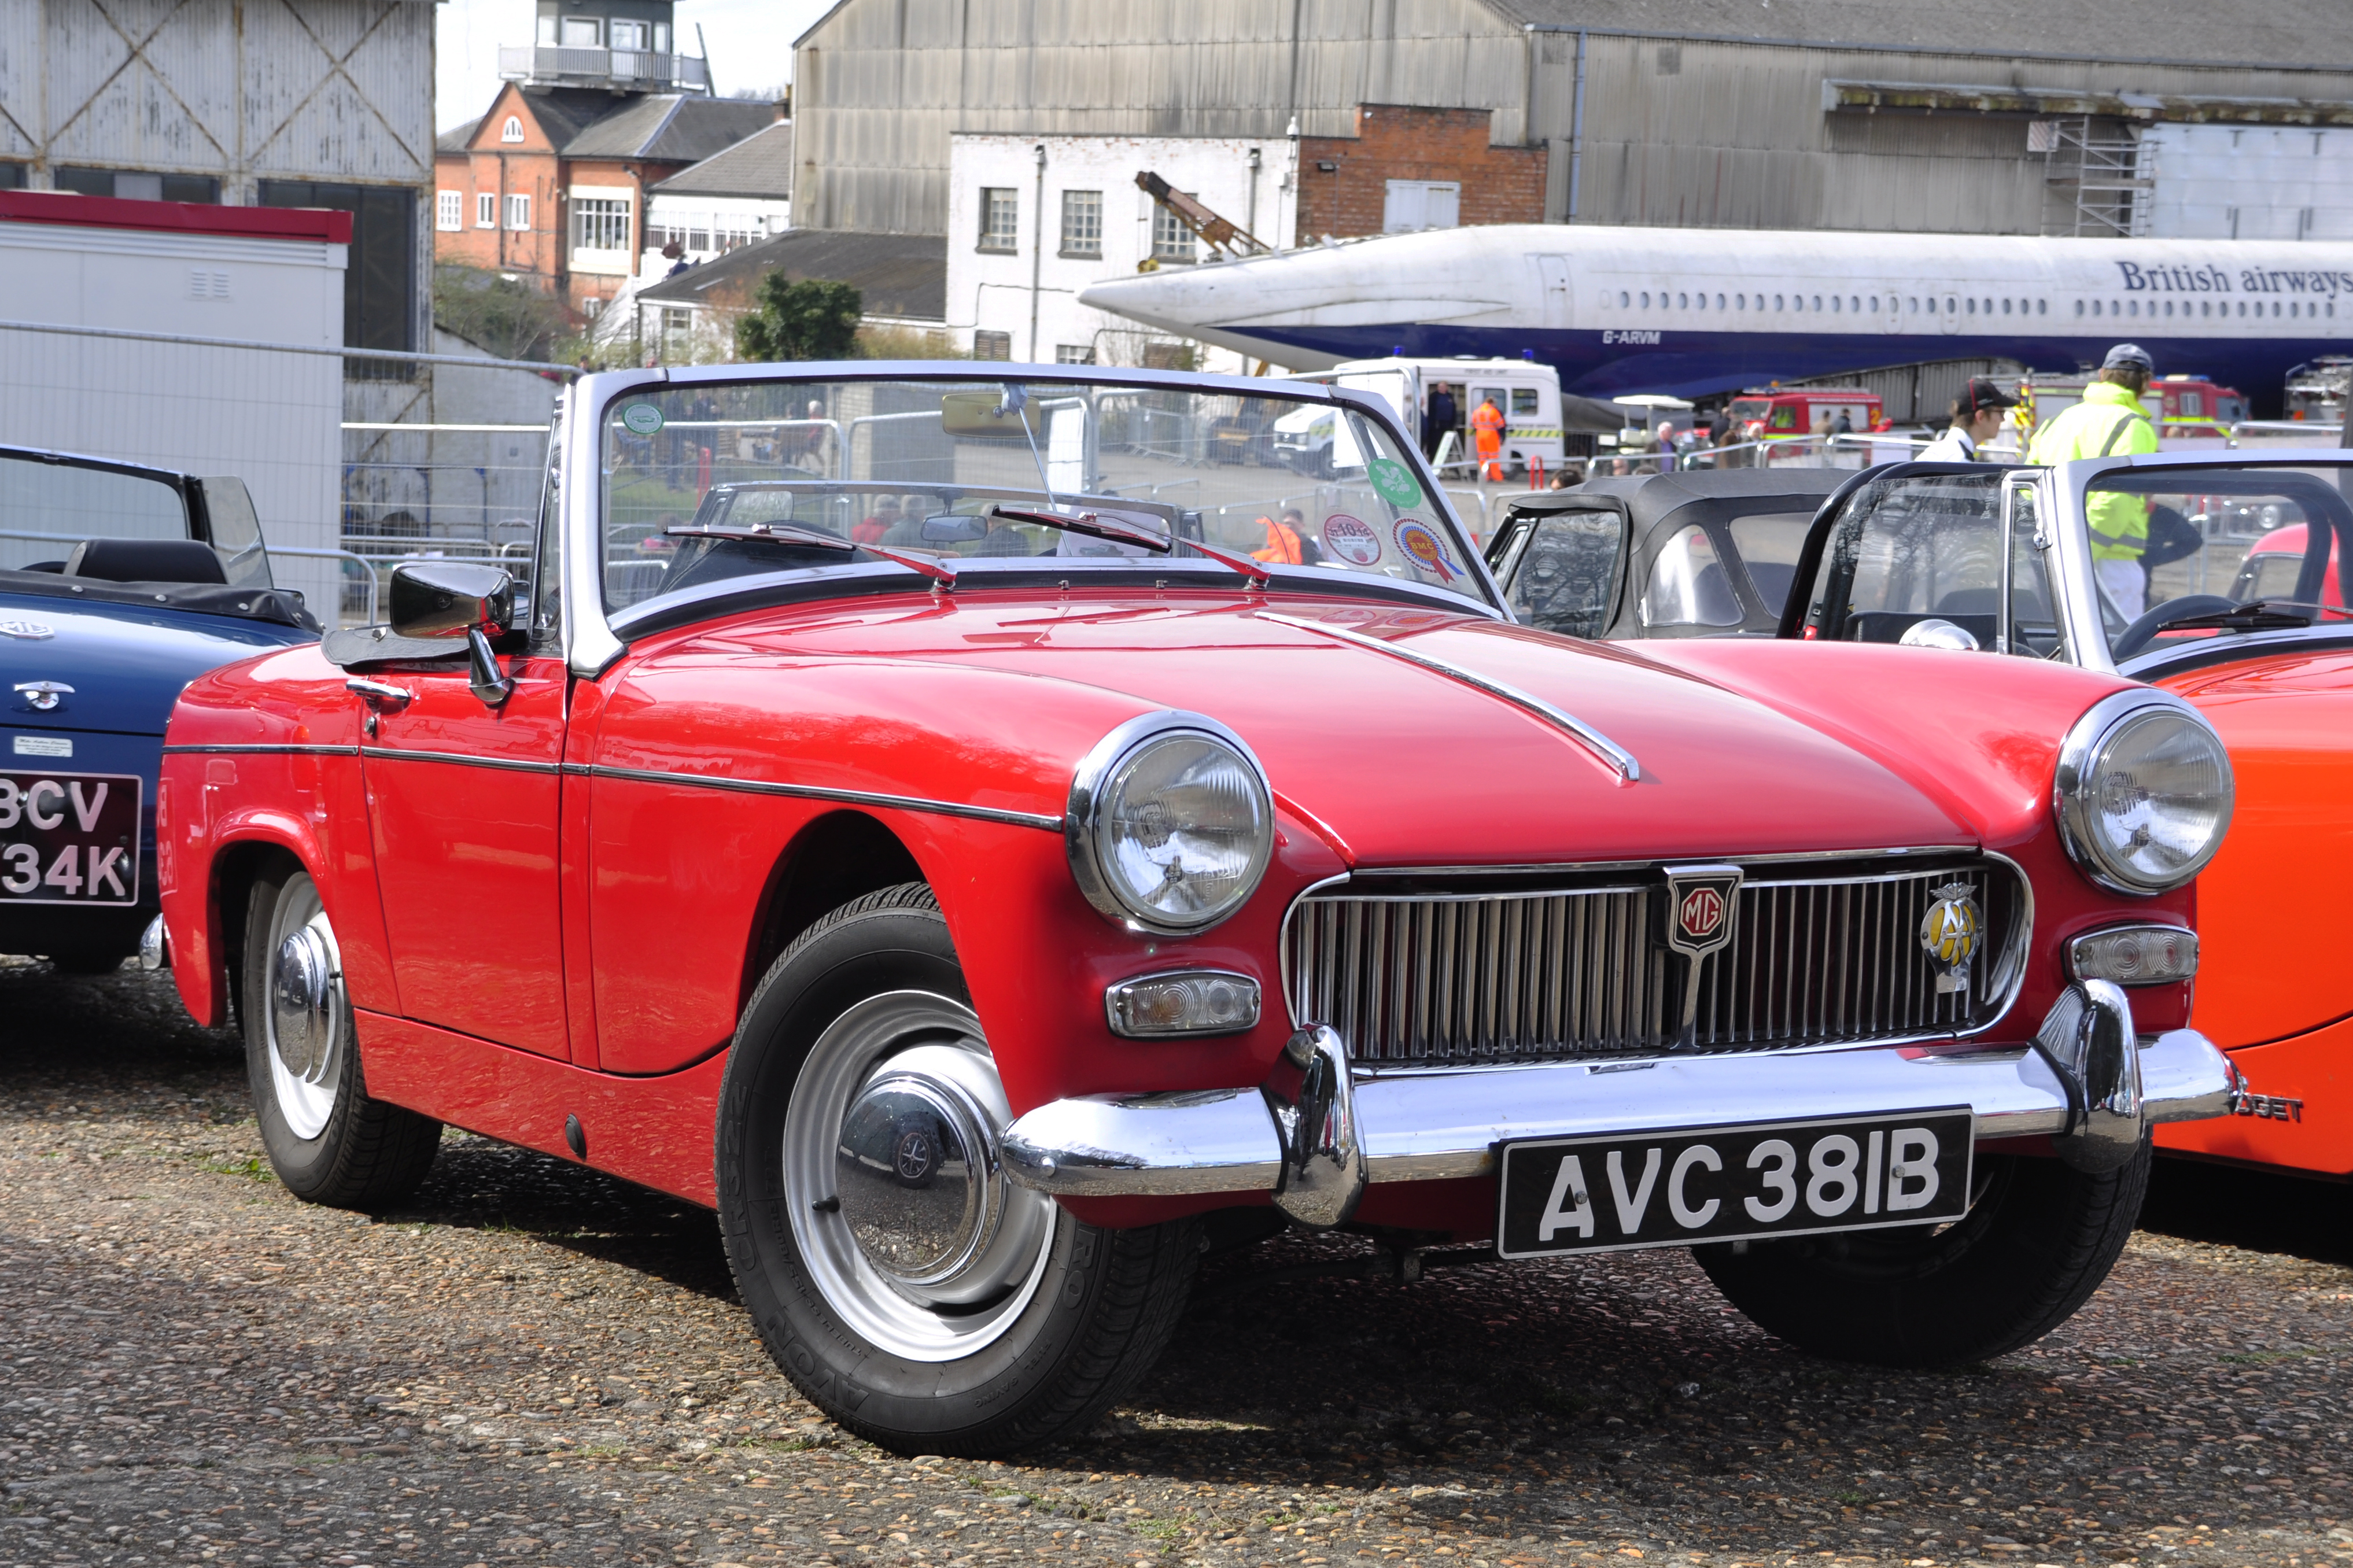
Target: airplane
x,y
1693,313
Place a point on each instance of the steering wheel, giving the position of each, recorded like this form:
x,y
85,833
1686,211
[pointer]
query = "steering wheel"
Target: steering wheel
x,y
2142,632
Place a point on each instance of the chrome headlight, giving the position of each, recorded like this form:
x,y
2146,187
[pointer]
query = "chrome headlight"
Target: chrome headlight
x,y
2144,792
1171,823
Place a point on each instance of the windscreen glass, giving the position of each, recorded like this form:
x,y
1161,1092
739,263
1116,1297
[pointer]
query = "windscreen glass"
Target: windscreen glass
x,y
1565,579
1908,552
711,483
2186,554
1688,585
1768,544
47,508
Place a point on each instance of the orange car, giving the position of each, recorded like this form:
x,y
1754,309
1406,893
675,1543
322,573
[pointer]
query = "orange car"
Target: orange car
x,y
1912,553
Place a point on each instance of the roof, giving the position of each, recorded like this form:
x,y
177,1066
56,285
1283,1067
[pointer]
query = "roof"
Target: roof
x,y
759,166
178,217
2302,34
1651,499
900,274
458,137
678,128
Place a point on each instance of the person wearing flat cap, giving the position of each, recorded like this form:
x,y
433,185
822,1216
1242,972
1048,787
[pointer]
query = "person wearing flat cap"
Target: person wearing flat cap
x,y
2110,422
1977,419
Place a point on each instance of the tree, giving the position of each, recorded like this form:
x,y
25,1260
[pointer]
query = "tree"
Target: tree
x,y
504,317
814,319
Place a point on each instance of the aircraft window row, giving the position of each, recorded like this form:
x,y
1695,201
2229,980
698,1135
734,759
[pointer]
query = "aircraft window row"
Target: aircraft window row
x,y
1629,300
2297,308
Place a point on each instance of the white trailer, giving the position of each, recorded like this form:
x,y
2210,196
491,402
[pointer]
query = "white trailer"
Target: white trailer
x,y
1528,395
81,267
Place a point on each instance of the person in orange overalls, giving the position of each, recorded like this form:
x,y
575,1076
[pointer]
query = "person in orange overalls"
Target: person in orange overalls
x,y
1487,434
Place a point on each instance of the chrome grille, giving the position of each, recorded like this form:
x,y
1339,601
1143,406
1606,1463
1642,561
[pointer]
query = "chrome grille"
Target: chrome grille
x,y
1818,957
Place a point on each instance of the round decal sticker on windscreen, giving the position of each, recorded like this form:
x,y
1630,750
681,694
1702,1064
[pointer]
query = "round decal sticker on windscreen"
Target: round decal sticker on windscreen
x,y
1420,544
1393,481
641,418
1351,539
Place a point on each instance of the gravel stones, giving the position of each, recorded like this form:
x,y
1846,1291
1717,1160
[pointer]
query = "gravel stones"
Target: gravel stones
x,y
532,1364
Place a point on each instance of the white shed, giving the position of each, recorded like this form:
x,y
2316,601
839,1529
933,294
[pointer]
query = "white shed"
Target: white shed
x,y
267,275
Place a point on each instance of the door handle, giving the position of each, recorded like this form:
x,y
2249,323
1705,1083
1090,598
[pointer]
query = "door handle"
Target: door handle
x,y
378,691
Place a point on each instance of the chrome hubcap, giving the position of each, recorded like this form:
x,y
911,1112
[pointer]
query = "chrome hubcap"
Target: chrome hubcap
x,y
304,1013
899,1200
301,1002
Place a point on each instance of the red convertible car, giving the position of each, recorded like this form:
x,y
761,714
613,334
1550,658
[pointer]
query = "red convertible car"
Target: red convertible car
x,y
900,808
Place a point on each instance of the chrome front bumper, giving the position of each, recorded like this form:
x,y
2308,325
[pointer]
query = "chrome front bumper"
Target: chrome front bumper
x,y
1321,1128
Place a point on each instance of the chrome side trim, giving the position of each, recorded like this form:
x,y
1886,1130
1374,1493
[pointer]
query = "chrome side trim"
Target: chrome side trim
x,y
1609,752
815,792
461,759
261,748
1440,1123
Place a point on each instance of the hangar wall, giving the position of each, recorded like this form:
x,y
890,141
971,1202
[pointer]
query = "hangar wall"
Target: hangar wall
x,y
1678,127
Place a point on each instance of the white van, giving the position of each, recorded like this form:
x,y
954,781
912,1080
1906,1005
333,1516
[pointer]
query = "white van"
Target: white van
x,y
1527,393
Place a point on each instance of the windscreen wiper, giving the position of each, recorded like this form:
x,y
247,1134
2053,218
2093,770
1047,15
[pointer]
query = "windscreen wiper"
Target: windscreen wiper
x,y
1138,529
2257,615
930,567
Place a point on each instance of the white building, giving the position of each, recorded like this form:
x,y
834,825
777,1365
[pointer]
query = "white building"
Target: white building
x,y
730,199
1034,220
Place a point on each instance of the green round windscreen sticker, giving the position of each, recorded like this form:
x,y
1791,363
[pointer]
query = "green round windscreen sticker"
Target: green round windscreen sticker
x,y
644,419
1393,481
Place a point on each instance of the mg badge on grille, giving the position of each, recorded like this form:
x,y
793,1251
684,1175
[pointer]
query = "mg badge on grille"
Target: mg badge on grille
x,y
1949,934
1699,908
1701,903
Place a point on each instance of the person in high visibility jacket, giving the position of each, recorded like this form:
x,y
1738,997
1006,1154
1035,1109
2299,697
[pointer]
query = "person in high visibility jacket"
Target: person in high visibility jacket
x,y
1286,539
1487,435
2110,422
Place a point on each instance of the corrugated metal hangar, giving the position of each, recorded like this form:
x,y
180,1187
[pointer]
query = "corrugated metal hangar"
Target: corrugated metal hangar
x,y
2002,117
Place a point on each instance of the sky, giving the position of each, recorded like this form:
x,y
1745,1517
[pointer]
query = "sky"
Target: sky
x,y
751,43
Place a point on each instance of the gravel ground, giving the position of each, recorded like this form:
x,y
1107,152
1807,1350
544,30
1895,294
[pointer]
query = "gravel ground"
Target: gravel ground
x,y
533,1363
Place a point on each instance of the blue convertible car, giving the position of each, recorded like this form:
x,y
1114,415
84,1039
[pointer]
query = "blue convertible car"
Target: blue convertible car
x,y
119,584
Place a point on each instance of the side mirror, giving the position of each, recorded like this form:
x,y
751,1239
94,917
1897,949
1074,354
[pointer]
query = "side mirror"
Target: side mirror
x,y
452,599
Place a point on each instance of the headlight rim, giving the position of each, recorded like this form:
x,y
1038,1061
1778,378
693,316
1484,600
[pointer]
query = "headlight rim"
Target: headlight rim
x,y
2086,739
1080,819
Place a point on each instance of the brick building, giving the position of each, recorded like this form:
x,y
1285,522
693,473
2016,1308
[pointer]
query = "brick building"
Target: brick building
x,y
1408,168
551,184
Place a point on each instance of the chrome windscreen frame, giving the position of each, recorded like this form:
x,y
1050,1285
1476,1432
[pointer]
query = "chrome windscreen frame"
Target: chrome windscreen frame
x,y
2061,511
590,642
2005,976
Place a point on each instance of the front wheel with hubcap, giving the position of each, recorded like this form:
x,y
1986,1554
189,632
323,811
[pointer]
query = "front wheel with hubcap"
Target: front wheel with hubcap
x,y
902,1282
326,1137
2037,1241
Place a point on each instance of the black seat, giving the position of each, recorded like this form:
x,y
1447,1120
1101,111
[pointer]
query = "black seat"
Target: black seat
x,y
145,561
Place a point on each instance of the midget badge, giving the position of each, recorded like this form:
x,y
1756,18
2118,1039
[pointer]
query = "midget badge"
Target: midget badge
x,y
1949,934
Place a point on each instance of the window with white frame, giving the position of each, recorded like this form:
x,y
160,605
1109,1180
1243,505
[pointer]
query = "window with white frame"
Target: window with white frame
x,y
1412,205
1074,353
628,34
513,130
992,345
582,33
449,209
486,210
1083,223
1000,218
1172,242
600,222
519,213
